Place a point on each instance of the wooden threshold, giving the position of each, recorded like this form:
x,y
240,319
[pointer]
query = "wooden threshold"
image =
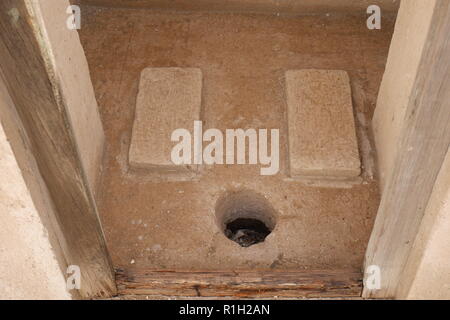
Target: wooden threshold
x,y
240,284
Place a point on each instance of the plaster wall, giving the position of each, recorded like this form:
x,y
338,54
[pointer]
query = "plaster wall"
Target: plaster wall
x,y
407,46
31,263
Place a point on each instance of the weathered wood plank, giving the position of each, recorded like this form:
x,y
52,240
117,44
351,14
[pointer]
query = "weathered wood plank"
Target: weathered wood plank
x,y
37,95
240,284
424,142
254,6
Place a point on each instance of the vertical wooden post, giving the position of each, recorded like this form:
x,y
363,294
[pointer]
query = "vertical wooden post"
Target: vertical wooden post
x,y
423,144
40,102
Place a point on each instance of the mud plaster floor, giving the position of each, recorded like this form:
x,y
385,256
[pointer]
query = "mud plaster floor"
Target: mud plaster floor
x,y
171,225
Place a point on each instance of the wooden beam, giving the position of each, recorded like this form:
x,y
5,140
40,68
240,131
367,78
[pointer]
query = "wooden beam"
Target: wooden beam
x,y
240,284
37,95
424,141
254,6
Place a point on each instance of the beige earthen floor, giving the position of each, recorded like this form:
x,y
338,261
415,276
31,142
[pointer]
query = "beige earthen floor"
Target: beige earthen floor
x,y
169,224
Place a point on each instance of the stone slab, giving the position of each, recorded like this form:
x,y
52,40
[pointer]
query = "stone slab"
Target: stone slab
x,y
321,125
168,99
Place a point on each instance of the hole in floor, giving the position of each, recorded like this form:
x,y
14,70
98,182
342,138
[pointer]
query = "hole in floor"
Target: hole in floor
x,y
245,217
246,232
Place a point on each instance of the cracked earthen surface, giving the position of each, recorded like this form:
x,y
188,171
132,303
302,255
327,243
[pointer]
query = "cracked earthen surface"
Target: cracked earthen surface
x,y
153,223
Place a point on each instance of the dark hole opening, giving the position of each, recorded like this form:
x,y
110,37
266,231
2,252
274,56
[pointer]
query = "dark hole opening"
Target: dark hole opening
x,y
246,231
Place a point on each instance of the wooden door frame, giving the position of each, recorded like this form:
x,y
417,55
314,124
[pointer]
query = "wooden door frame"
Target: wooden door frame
x,y
421,149
36,91
41,106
